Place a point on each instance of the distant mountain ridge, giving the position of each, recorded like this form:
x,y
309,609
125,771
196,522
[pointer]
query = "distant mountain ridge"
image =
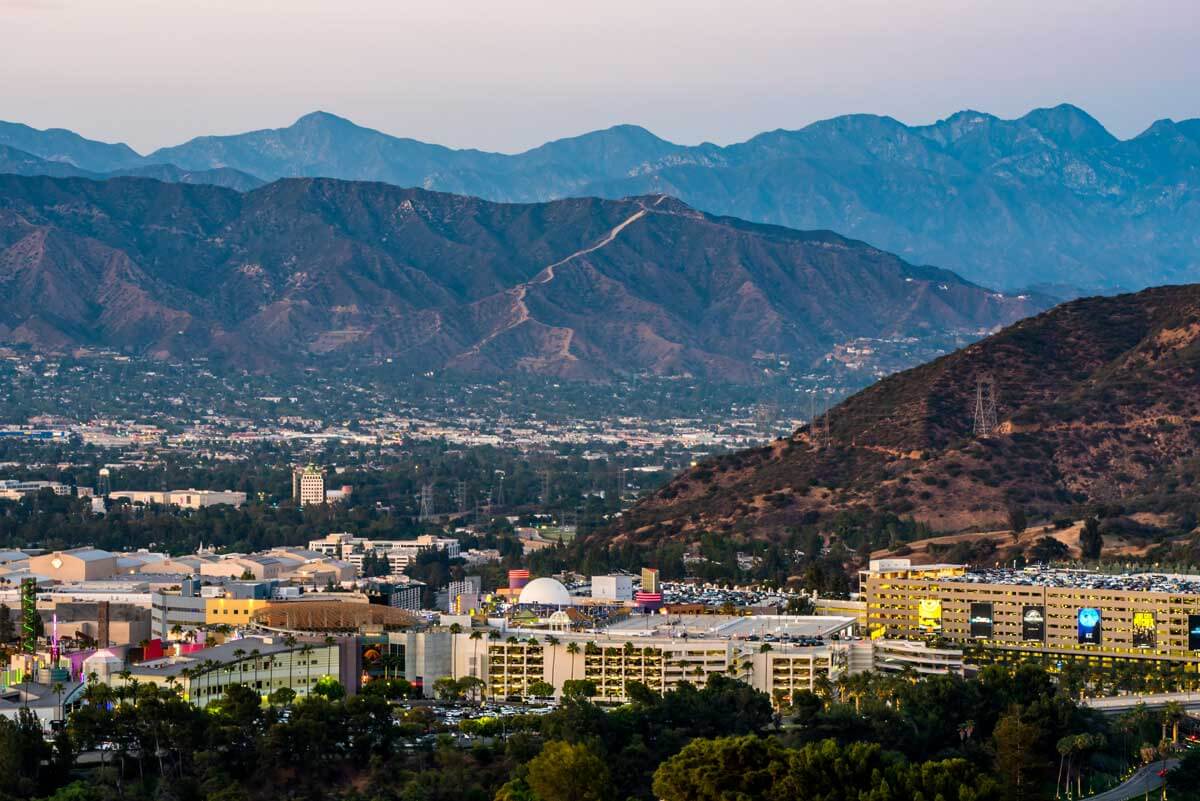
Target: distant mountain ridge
x,y
1051,198
304,271
18,162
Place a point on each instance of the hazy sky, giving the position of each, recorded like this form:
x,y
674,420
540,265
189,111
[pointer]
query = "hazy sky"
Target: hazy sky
x,y
511,74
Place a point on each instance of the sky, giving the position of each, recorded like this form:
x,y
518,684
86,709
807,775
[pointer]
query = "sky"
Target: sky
x,y
507,75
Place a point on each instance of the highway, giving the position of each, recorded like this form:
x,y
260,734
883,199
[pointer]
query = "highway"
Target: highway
x,y
1146,780
1117,704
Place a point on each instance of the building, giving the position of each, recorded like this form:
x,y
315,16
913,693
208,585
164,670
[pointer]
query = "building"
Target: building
x,y
463,596
77,564
177,611
399,554
254,566
1051,615
265,664
12,490
184,499
125,623
778,654
650,580
308,485
612,588
48,702
232,611
838,607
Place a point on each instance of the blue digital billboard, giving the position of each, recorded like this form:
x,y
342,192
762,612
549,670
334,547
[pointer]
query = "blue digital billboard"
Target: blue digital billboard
x,y
1088,623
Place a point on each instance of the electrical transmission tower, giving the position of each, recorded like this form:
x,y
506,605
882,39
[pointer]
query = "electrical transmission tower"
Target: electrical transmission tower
x,y
986,422
460,497
427,502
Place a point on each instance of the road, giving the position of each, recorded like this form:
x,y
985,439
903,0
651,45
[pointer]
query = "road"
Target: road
x,y
1123,703
1136,786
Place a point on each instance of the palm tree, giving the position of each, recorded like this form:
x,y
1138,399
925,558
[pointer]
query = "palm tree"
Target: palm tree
x,y
455,630
476,636
305,651
553,642
255,655
238,656
1176,712
573,650
290,641
58,689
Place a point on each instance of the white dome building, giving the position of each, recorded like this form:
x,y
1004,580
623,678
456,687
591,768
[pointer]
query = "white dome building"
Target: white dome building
x,y
545,592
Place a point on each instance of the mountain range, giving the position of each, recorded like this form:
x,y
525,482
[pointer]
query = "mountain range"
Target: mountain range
x,y
319,271
1049,199
1095,404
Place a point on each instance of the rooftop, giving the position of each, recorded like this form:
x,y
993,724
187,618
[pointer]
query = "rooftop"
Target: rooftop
x,y
1081,579
224,653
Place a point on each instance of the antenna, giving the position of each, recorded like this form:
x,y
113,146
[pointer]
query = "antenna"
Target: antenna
x,y
460,495
985,422
426,501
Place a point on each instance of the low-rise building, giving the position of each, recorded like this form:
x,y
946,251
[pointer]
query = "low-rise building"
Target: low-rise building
x,y
265,664
182,498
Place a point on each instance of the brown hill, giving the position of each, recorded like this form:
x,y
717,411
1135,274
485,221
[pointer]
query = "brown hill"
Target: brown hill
x,y
310,270
1098,401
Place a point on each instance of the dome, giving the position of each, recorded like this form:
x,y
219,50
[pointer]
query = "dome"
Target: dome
x,y
545,592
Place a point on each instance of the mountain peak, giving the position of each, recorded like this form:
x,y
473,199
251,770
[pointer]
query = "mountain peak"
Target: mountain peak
x,y
1066,124
323,119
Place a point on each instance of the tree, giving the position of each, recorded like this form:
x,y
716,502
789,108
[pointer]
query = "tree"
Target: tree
x,y
541,689
330,688
282,697
568,772
1016,519
1091,542
552,643
447,689
7,630
579,689
1015,739
455,630
573,650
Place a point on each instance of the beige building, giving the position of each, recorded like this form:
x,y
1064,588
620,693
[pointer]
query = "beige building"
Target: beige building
x,y
78,564
239,565
128,624
308,485
1054,615
655,653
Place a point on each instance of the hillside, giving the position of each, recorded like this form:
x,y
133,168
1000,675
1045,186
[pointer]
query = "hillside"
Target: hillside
x,y
314,271
1097,402
1049,199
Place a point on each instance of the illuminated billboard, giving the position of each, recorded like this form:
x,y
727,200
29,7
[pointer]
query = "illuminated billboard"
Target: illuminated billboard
x,y
981,620
1087,622
1033,623
1194,632
929,615
1143,629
